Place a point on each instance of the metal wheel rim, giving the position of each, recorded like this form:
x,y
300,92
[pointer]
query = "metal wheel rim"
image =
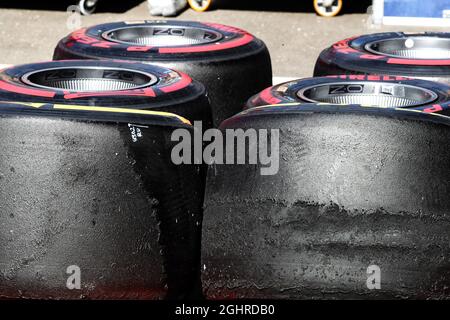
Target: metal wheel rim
x,y
429,48
381,94
162,35
89,79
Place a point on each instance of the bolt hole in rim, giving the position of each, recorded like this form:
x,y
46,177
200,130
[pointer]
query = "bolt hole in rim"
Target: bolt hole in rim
x,y
430,48
162,36
89,79
381,94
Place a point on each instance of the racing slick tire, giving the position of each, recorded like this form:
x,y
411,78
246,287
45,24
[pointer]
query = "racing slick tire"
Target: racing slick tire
x,y
381,91
415,55
93,207
107,83
230,62
357,209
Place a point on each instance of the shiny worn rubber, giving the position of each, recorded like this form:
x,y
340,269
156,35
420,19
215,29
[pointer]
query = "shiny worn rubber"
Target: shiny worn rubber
x,y
96,190
357,187
233,68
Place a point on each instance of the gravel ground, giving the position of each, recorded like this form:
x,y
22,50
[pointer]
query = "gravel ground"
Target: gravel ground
x,y
294,35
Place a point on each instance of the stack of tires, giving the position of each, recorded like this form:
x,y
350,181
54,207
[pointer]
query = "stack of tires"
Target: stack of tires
x,y
94,205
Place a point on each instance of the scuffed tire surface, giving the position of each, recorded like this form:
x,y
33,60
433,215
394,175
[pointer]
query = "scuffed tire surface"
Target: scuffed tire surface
x,y
96,190
356,187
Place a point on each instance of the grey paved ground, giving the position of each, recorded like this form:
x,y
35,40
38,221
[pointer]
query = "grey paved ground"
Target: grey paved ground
x,y
294,38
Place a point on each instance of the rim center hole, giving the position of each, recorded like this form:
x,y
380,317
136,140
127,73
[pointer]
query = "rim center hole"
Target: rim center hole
x,y
387,95
89,79
412,48
162,36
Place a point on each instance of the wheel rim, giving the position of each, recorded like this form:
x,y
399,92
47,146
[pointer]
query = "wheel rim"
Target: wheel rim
x,y
429,48
89,79
162,36
88,6
327,8
381,94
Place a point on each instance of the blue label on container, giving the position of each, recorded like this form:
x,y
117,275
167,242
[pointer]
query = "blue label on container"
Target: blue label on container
x,y
417,8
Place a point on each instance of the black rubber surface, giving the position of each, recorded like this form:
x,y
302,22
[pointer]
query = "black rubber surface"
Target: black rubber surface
x,y
356,187
168,90
344,86
350,56
96,189
233,67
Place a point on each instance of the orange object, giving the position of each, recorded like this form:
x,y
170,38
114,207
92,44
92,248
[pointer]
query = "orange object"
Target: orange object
x,y
328,8
200,5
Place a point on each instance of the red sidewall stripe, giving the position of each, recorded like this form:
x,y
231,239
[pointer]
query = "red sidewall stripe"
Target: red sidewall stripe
x,y
82,37
183,83
344,47
27,91
148,92
419,62
368,77
434,108
267,96
247,38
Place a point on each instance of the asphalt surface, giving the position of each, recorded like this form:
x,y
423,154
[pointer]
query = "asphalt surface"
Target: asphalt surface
x,y
29,30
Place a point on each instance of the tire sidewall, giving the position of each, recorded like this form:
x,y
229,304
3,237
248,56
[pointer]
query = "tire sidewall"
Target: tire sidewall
x,y
153,96
350,56
89,43
287,92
